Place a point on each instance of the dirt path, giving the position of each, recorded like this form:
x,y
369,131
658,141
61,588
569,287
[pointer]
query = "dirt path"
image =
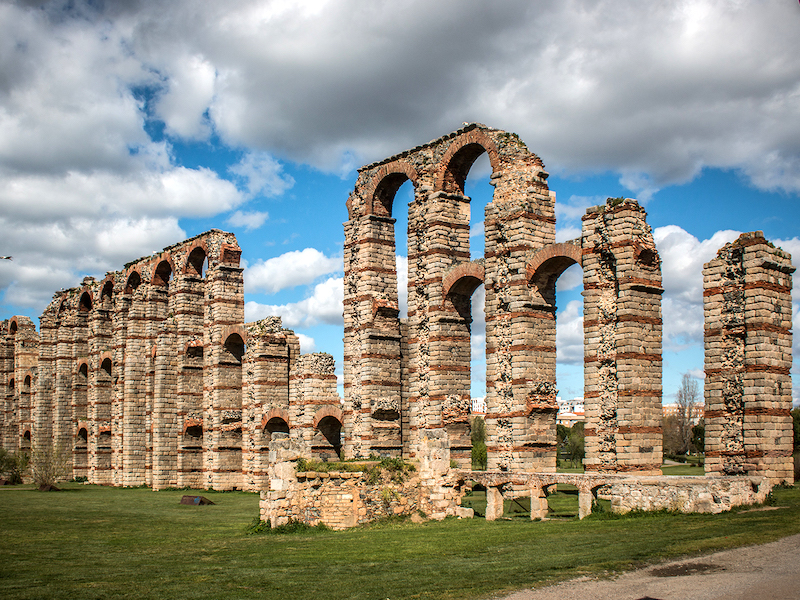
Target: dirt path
x,y
767,572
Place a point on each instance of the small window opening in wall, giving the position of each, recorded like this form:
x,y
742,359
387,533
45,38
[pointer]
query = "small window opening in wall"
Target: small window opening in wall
x,y
107,295
163,274
194,352
276,425
13,328
26,384
134,281
195,432
83,436
11,384
106,366
331,430
83,371
26,440
234,347
85,304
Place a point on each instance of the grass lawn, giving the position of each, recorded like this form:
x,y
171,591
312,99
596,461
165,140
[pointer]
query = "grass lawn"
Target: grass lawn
x,y
95,542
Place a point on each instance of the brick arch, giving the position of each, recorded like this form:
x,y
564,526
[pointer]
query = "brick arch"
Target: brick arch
x,y
155,277
107,288
550,262
137,270
82,425
382,188
13,326
82,305
188,266
275,413
327,411
229,330
80,362
102,357
463,278
452,170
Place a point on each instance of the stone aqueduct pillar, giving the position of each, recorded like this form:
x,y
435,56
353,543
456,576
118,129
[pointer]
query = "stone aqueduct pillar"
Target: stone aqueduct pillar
x,y
622,340
748,338
433,352
402,376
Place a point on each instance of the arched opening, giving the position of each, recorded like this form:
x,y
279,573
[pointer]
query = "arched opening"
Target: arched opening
x,y
468,174
556,282
26,384
12,328
193,438
134,281
197,262
11,385
82,438
106,366
162,274
234,349
83,372
275,425
26,441
85,304
327,438
107,295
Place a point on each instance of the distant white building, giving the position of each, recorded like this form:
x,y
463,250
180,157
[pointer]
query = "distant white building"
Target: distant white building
x,y
479,406
570,411
698,411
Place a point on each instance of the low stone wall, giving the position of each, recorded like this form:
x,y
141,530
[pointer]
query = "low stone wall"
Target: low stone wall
x,y
687,494
346,499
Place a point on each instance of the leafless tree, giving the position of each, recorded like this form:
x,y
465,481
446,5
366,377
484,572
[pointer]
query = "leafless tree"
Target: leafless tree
x,y
688,397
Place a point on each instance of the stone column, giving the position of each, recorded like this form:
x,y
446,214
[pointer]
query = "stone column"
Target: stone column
x,y
520,326
371,337
622,340
223,374
748,339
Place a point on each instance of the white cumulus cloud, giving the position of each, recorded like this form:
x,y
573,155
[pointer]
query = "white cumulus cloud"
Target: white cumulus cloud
x,y
298,267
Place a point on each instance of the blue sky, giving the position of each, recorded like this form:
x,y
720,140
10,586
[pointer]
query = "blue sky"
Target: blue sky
x,y
126,127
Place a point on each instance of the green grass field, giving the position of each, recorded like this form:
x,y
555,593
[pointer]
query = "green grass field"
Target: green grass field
x,y
93,542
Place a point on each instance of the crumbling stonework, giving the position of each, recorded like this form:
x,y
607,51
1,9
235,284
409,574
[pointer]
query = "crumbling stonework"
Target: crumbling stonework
x,y
622,340
19,349
402,377
343,499
144,376
748,340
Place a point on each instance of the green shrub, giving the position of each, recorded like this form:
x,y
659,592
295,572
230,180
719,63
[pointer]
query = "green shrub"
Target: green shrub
x,y
13,465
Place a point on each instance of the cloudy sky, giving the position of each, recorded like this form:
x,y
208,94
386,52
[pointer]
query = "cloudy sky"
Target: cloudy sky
x,y
127,126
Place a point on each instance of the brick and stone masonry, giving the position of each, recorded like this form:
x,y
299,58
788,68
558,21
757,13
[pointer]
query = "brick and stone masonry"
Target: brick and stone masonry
x,y
145,379
150,376
748,357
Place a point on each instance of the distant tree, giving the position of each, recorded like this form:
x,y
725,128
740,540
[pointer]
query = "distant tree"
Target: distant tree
x,y
796,419
688,396
576,448
671,438
480,457
699,436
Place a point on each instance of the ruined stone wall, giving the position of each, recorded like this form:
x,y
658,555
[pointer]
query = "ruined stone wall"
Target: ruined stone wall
x,y
342,499
622,340
19,349
748,340
427,358
122,364
434,354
